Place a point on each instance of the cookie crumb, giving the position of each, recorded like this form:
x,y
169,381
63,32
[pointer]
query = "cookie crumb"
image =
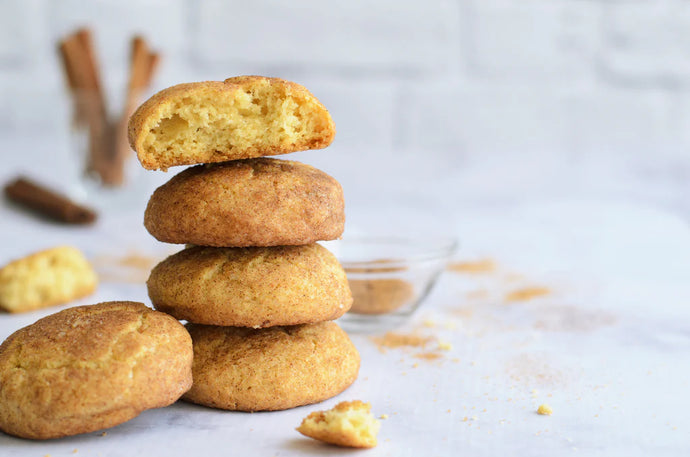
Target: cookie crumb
x,y
544,410
348,424
383,416
104,434
445,345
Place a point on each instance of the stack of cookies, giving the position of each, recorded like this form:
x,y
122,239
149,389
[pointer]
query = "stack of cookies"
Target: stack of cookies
x,y
257,291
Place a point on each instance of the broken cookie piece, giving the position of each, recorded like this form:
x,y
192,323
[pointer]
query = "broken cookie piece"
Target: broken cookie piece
x,y
349,423
46,278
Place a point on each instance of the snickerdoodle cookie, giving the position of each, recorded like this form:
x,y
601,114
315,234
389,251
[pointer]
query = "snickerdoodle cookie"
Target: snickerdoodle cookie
x,y
50,277
91,367
252,202
270,369
251,287
239,118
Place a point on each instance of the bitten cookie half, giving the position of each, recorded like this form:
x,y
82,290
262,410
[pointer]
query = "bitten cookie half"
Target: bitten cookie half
x,y
46,278
252,202
91,367
239,118
270,369
251,287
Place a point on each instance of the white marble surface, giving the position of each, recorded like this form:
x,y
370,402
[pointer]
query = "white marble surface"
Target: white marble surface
x,y
608,348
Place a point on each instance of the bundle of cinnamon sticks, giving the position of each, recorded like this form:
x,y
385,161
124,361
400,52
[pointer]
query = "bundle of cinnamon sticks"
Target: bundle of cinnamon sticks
x,y
108,147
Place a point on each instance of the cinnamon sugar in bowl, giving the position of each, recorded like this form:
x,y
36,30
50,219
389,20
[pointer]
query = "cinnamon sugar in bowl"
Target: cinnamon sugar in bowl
x,y
389,277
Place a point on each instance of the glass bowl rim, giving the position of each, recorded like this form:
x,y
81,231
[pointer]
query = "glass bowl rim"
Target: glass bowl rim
x,y
438,248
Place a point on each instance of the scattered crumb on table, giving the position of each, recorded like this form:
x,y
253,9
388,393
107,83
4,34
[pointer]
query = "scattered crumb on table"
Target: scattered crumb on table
x,y
445,345
428,356
544,410
527,293
393,340
473,267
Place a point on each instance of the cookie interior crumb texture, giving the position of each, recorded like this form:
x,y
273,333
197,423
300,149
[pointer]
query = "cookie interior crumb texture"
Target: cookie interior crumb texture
x,y
241,117
349,424
46,278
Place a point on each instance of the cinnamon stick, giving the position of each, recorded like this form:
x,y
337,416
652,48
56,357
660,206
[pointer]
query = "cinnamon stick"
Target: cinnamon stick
x,y
69,50
143,64
154,61
92,97
67,66
108,145
139,66
47,203
91,74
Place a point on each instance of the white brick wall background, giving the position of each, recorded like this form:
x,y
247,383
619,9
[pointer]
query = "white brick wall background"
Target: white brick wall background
x,y
425,90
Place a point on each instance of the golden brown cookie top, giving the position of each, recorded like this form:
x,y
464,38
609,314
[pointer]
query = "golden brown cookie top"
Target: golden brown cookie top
x,y
82,335
270,369
120,357
214,121
251,287
251,202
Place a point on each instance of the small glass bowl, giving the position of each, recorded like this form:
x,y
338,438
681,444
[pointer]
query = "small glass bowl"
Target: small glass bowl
x,y
389,277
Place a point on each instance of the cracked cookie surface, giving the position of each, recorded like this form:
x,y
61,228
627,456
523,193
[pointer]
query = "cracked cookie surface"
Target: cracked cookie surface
x,y
270,369
252,202
251,287
91,367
